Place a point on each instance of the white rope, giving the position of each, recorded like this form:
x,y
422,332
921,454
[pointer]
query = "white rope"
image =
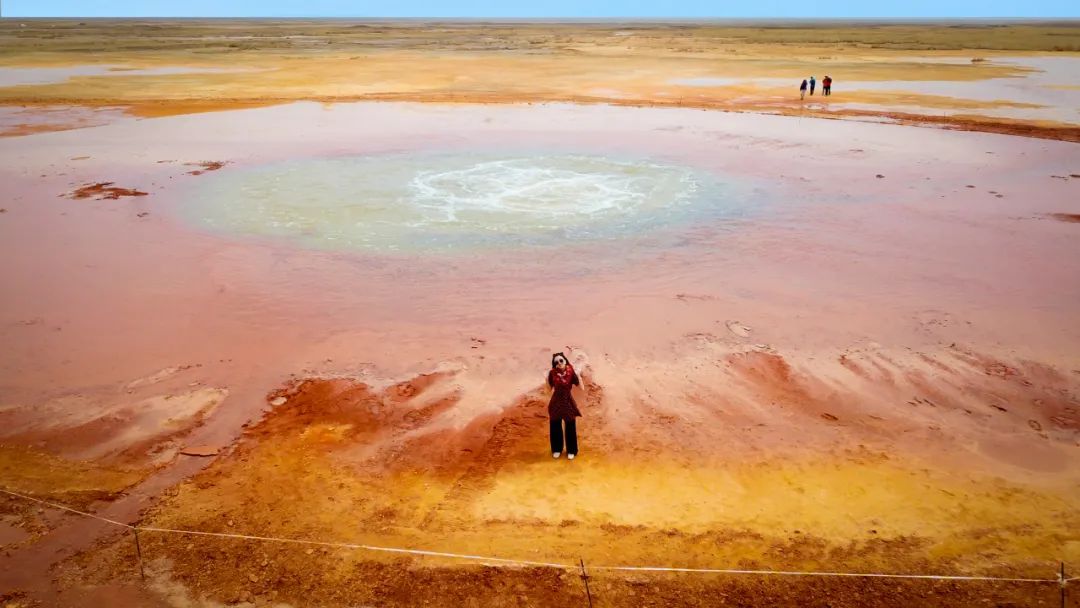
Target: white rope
x,y
940,577
516,562
367,547
63,508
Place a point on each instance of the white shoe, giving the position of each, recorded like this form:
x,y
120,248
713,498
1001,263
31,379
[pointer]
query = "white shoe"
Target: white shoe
x,y
570,456
556,454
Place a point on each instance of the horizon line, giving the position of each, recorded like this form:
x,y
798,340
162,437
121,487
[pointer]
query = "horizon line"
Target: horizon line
x,y
613,18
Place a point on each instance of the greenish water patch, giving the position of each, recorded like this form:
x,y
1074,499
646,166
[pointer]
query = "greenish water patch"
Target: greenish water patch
x,y
431,202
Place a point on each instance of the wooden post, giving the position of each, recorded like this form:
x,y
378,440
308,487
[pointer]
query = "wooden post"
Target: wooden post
x,y
138,552
1062,584
585,577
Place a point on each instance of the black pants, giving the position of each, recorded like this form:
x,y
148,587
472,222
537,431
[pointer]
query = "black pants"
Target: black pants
x,y
557,436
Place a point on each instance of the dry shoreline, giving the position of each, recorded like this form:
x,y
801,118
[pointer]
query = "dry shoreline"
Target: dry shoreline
x,y
234,65
1060,132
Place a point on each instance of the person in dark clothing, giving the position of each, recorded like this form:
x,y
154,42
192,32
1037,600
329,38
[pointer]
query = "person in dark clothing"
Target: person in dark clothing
x,y
826,86
812,83
802,89
562,409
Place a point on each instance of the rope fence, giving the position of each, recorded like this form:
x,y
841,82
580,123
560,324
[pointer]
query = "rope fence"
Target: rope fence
x,y
1059,580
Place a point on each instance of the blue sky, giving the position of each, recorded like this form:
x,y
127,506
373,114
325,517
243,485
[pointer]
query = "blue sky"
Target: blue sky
x,y
541,8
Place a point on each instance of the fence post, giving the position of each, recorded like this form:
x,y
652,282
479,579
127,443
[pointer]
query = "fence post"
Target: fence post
x,y
1061,583
585,578
138,552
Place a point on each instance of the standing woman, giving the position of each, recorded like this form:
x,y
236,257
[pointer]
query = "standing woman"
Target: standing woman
x,y
562,408
802,89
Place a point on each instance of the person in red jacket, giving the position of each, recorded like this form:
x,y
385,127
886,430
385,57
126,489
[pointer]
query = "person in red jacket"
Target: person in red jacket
x,y
562,409
826,86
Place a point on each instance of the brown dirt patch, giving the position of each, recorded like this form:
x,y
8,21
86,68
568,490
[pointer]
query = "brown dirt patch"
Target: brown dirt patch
x,y
104,191
205,166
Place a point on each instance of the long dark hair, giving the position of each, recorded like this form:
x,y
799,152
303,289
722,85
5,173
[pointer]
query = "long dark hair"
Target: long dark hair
x,y
556,356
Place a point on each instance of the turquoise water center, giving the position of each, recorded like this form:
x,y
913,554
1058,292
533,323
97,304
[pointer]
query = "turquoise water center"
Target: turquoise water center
x,y
409,202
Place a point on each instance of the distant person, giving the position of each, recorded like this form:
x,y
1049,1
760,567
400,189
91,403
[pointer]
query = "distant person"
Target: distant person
x,y
812,83
826,86
562,409
802,89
